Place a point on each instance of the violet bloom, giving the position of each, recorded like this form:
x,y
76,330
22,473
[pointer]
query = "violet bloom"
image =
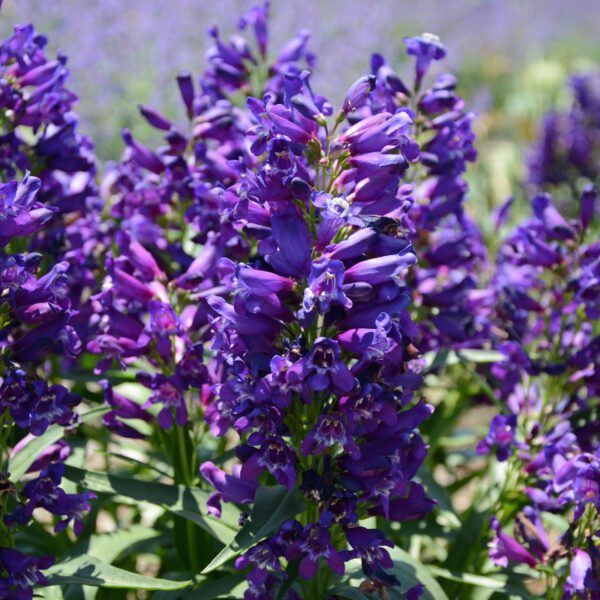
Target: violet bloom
x,y
275,456
261,558
314,545
330,431
426,48
504,548
22,573
370,546
166,391
44,492
57,452
230,488
163,324
588,205
501,436
45,405
325,284
358,93
322,368
581,580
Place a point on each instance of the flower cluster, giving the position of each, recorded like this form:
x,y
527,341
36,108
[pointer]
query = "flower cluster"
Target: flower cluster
x,y
451,312
569,144
314,365
172,217
41,285
546,285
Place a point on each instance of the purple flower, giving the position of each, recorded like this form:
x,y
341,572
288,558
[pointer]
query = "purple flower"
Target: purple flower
x,y
588,205
22,573
504,548
275,456
581,580
501,436
230,488
358,93
261,558
325,283
330,430
166,391
380,270
314,545
370,546
426,48
322,368
44,492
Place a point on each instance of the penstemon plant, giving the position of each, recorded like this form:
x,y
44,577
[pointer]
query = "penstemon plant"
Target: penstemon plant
x,y
253,362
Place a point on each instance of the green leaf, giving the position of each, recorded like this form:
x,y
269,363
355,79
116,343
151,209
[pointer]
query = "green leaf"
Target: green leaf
x,y
478,580
89,570
477,355
229,588
513,584
273,506
25,458
408,570
108,546
189,503
437,359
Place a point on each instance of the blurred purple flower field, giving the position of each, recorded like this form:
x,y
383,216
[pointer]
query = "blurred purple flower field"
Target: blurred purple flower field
x,y
125,53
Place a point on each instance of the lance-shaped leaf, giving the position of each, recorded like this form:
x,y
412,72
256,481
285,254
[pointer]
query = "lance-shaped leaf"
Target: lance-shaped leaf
x,y
273,506
187,502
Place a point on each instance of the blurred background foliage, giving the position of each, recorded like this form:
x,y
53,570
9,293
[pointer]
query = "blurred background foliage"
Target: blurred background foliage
x,y
512,57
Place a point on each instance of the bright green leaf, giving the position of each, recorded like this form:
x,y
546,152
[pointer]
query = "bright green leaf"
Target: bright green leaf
x,y
435,360
273,506
189,503
89,570
25,458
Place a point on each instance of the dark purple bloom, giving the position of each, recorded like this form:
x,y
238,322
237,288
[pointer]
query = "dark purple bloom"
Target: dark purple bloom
x,y
261,558
322,368
501,436
330,431
22,573
230,488
581,579
313,545
380,270
325,284
554,224
588,205
275,456
370,546
426,48
504,548
166,391
358,93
